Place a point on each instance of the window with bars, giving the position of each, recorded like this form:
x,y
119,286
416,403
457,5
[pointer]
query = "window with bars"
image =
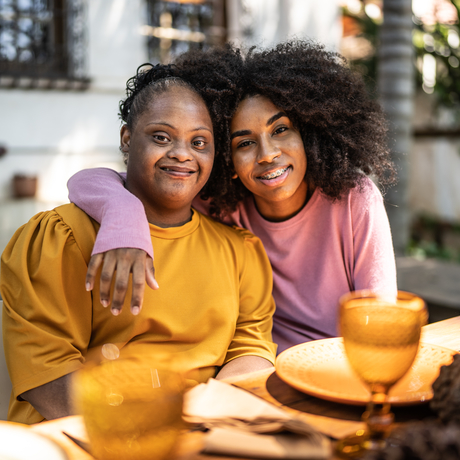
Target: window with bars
x,y
43,43
177,26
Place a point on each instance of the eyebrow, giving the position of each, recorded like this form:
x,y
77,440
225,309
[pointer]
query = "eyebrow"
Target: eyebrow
x,y
173,127
246,132
275,117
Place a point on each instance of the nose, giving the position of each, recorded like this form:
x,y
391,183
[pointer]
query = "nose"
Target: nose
x,y
268,151
180,152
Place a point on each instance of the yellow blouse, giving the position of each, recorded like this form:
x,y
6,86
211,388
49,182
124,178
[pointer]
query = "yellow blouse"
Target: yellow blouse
x,y
214,303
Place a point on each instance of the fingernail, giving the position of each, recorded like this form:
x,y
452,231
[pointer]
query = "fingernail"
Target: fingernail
x,y
104,303
88,286
156,284
135,310
115,312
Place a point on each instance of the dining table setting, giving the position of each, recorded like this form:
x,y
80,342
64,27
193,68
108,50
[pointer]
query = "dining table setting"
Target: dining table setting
x,y
310,405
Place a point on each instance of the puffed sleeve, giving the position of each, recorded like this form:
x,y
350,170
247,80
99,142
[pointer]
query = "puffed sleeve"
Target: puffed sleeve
x,y
100,192
47,312
254,325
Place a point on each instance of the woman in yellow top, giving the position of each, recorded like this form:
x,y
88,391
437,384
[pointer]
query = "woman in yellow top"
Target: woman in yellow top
x,y
215,309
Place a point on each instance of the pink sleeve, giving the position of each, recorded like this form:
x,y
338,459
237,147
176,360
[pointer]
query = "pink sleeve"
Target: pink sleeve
x,y
375,266
100,192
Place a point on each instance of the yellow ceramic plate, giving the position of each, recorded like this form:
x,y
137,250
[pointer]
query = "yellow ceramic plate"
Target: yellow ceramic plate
x,y
320,368
18,442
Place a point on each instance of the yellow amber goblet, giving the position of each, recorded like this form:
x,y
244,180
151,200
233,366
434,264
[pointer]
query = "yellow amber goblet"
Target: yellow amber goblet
x,y
381,337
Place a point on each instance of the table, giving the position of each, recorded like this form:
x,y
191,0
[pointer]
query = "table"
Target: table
x,y
333,419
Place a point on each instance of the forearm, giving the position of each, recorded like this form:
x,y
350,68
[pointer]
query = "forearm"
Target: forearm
x,y
101,194
243,365
52,400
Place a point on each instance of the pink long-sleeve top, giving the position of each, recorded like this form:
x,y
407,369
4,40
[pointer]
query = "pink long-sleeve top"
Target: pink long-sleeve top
x,y
328,249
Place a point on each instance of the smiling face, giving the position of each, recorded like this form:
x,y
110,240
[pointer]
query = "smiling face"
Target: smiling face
x,y
269,157
170,151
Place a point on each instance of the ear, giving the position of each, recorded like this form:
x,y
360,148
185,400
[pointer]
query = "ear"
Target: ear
x,y
235,176
125,139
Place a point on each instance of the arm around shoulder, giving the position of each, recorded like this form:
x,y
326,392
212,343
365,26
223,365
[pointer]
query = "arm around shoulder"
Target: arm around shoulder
x,y
100,192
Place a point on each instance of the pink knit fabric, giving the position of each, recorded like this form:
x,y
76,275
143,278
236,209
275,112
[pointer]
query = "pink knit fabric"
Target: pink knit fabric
x,y
327,249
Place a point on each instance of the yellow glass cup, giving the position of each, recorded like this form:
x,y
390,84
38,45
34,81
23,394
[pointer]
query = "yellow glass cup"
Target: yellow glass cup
x,y
131,406
381,337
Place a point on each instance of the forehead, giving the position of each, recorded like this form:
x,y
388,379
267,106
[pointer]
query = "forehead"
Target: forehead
x,y
178,103
254,109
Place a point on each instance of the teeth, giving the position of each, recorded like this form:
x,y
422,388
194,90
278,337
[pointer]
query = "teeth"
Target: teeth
x,y
275,174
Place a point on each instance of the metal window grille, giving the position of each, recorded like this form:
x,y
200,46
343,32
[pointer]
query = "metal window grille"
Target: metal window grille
x,y
43,43
174,27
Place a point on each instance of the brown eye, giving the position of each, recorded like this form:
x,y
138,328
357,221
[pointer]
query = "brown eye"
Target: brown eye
x,y
281,129
160,138
244,144
199,143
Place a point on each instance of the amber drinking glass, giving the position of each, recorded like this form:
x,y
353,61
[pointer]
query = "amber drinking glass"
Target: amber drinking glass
x,y
131,407
381,337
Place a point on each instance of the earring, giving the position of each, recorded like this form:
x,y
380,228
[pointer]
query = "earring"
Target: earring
x,y
235,176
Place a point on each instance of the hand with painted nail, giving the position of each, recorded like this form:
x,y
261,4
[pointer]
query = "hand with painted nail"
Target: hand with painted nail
x,y
117,265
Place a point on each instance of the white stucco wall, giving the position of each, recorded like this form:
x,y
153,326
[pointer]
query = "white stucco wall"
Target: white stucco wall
x,y
267,22
52,134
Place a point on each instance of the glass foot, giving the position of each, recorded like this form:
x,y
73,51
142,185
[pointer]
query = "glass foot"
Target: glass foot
x,y
355,445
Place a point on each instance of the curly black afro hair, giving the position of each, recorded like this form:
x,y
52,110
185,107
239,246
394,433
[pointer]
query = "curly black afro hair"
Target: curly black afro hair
x,y
342,127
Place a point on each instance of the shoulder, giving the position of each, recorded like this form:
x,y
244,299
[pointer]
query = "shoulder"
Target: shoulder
x,y
72,215
364,199
226,231
234,235
64,225
365,193
52,233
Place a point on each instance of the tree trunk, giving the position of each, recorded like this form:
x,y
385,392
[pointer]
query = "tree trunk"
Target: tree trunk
x,y
396,86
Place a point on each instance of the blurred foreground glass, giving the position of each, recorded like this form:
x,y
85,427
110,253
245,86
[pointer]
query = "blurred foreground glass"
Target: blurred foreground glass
x,y
132,407
381,338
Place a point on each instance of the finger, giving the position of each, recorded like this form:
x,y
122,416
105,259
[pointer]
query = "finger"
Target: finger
x,y
150,274
107,274
137,296
93,266
121,282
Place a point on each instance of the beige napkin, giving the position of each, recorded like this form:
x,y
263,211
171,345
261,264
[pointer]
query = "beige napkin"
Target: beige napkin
x,y
240,423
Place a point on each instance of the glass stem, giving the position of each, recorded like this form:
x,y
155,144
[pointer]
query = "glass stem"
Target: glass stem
x,y
378,416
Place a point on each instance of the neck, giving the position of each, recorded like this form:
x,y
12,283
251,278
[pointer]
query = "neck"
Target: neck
x,y
282,210
166,218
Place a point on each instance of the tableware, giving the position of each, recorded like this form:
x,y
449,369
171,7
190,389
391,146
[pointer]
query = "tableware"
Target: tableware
x,y
131,406
18,442
381,338
321,369
81,444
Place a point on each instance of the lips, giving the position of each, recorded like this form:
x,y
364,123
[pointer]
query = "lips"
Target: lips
x,y
275,177
273,173
178,171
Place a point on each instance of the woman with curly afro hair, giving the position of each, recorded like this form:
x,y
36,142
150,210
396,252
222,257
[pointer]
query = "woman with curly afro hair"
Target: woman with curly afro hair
x,y
300,137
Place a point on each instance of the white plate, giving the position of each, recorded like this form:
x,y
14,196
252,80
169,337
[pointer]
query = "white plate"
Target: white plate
x,y
321,368
18,442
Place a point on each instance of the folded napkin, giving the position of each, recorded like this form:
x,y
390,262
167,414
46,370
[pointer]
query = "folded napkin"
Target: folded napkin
x,y
242,424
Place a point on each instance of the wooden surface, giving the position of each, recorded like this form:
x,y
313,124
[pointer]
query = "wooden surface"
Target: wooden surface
x,y
444,333
335,420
